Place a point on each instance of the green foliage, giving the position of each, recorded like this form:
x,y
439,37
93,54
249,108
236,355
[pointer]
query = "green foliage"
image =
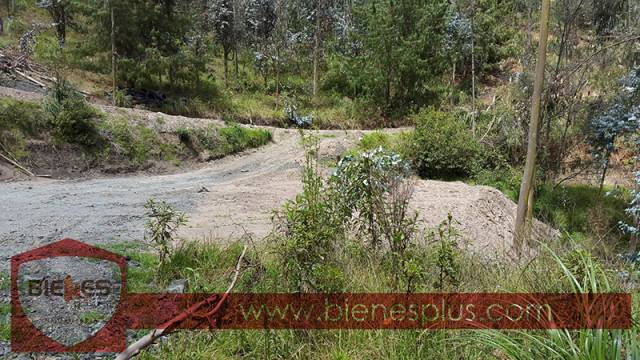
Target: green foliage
x,y
220,142
5,326
137,143
164,221
121,99
443,147
573,208
566,344
19,120
391,55
92,317
238,138
581,209
506,179
399,143
205,266
73,120
154,42
143,265
447,256
310,230
373,186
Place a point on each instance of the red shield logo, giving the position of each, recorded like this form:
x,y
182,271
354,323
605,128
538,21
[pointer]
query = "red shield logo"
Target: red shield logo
x,y
66,297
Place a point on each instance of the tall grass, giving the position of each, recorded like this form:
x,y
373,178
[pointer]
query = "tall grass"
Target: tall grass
x,y
584,275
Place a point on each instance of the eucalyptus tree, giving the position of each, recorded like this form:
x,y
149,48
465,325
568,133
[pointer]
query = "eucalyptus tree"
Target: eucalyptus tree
x,y
622,118
261,22
222,16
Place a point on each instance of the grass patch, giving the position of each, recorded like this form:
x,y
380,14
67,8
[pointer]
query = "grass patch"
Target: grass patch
x,y
142,266
208,267
580,211
92,317
5,332
220,142
5,326
138,143
19,121
5,281
395,142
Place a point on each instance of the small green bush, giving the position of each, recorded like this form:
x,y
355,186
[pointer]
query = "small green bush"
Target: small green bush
x,y
239,138
76,124
443,147
163,222
73,119
121,99
309,230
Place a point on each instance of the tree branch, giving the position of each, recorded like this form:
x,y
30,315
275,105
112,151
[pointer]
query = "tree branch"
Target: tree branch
x,y
168,327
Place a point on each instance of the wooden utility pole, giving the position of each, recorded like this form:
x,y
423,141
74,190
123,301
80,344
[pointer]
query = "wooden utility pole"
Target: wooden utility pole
x,y
522,230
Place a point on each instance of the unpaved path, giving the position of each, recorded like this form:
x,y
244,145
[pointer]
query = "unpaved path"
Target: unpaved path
x,y
223,200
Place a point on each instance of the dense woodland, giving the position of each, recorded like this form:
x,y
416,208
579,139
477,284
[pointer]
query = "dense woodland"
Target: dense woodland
x,y
459,75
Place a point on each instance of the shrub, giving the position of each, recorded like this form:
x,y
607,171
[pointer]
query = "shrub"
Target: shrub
x,y
184,135
121,99
443,147
73,120
220,142
239,138
161,227
372,185
75,124
309,230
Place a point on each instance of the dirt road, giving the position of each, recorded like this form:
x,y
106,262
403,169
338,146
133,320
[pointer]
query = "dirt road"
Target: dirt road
x,y
223,200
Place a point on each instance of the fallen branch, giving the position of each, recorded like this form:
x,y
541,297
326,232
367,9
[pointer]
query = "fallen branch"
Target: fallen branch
x,y
18,166
42,85
168,327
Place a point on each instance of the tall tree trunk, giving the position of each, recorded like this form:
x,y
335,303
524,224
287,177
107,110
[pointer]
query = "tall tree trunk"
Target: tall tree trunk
x,y
113,54
235,61
473,70
316,51
1,26
277,73
225,55
521,235
316,48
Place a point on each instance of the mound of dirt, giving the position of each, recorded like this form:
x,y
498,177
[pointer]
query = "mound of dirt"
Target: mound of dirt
x,y
484,216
